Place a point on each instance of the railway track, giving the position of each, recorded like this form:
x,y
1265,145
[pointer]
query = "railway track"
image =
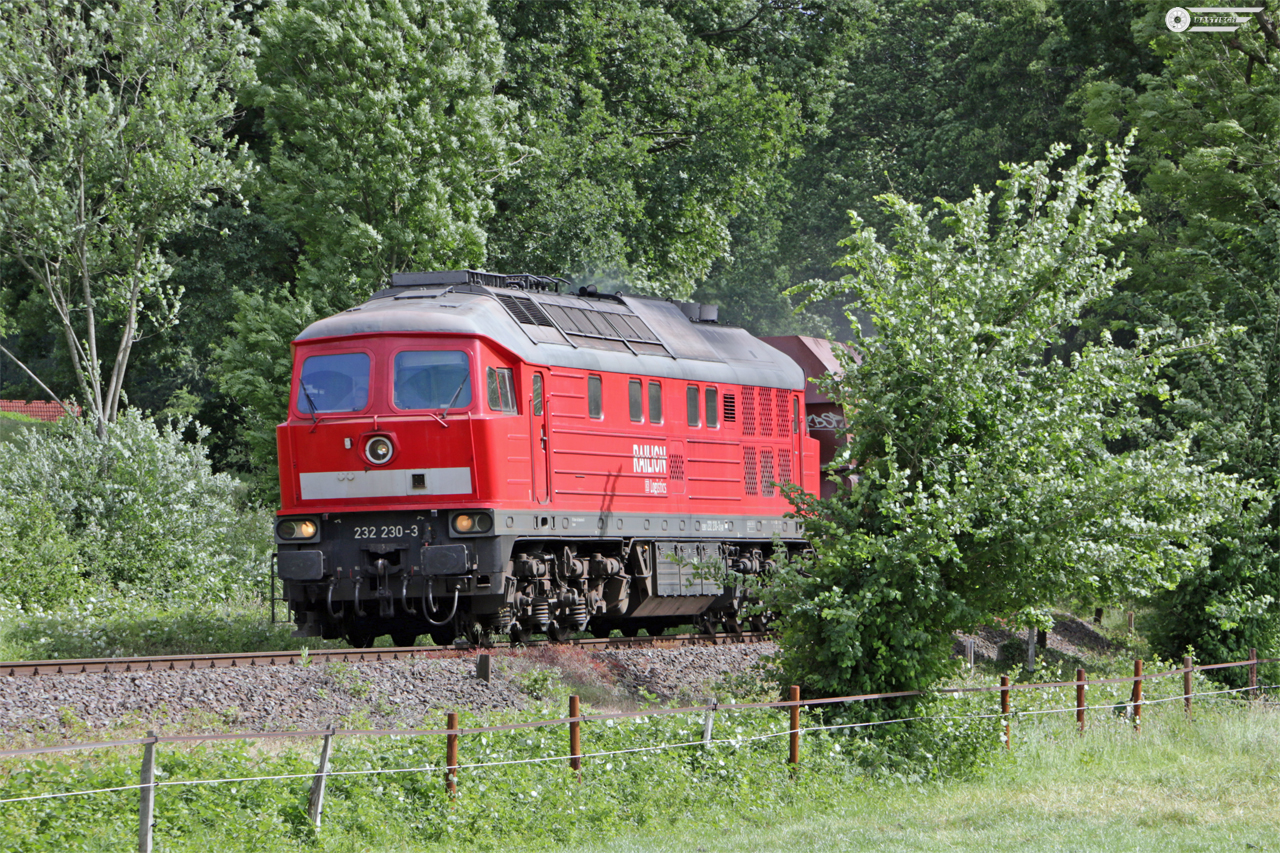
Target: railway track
x,y
256,659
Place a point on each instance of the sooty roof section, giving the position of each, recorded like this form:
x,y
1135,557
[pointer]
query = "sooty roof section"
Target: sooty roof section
x,y
621,334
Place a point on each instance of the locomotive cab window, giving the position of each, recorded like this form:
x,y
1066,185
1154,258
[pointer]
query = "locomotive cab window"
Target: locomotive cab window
x,y
635,397
502,394
431,379
795,415
655,402
713,408
537,394
334,383
595,401
691,396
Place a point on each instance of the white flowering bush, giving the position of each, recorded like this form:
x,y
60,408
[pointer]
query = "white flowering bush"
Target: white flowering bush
x,y
139,513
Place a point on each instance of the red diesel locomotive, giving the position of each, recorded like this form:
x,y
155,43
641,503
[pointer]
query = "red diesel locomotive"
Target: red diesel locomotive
x,y
471,452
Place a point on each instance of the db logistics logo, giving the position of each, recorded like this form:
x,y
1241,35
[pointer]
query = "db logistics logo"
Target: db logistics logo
x,y
1177,19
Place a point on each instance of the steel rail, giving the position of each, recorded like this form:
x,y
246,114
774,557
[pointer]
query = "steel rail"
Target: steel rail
x,y
162,663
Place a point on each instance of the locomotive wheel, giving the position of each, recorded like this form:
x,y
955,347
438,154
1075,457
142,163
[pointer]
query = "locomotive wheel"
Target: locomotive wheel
x,y
557,632
442,636
360,638
759,623
656,632
732,625
405,637
630,630
520,635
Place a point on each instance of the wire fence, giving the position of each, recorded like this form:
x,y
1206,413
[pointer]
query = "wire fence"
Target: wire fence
x,y
147,784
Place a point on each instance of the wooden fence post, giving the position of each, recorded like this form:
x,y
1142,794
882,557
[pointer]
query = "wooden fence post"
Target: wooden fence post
x,y
147,794
1004,708
1186,683
1129,620
451,754
794,758
1137,695
1253,673
1080,699
575,737
315,804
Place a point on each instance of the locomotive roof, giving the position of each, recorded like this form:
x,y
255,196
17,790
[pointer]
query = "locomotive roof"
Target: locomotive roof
x,y
613,333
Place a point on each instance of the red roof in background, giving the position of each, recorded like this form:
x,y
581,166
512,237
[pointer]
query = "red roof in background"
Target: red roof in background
x,y
39,409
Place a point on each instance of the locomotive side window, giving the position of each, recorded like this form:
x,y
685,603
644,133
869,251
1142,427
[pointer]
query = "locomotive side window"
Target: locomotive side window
x,y
655,402
502,395
537,394
334,383
595,404
795,415
432,379
691,396
635,397
713,408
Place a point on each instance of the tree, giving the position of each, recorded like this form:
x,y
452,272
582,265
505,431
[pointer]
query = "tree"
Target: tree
x,y
1209,123
651,126
386,135
994,477
112,124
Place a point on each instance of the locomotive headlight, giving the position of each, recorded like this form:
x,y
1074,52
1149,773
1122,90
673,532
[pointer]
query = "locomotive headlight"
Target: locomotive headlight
x,y
472,522
296,528
378,450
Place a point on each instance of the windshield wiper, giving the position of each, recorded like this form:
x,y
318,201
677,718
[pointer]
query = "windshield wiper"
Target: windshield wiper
x,y
454,398
312,403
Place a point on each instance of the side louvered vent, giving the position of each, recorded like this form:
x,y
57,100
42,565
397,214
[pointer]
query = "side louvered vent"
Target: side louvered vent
x,y
784,467
766,411
783,399
730,408
748,411
675,467
766,472
750,475
525,310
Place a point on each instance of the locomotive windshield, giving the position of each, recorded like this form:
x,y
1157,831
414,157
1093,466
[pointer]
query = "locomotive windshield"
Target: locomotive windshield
x,y
432,379
334,383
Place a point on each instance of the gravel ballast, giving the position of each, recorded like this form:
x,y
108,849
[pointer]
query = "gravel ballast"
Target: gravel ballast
x,y
385,694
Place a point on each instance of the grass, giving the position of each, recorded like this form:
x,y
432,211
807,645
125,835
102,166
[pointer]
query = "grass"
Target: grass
x,y
140,630
1208,784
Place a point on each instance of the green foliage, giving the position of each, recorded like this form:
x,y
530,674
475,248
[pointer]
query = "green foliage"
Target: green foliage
x,y
1209,122
111,135
994,477
651,126
386,134
139,513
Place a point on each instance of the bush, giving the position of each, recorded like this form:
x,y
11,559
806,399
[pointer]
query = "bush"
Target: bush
x,y
140,512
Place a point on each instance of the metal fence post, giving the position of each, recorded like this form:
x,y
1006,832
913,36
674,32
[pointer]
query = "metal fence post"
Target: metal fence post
x,y
1080,699
1186,683
315,805
709,721
451,754
147,795
794,758
1137,695
575,737
1004,709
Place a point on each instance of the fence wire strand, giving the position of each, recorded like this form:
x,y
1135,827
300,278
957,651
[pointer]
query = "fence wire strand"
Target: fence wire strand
x,y
734,741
